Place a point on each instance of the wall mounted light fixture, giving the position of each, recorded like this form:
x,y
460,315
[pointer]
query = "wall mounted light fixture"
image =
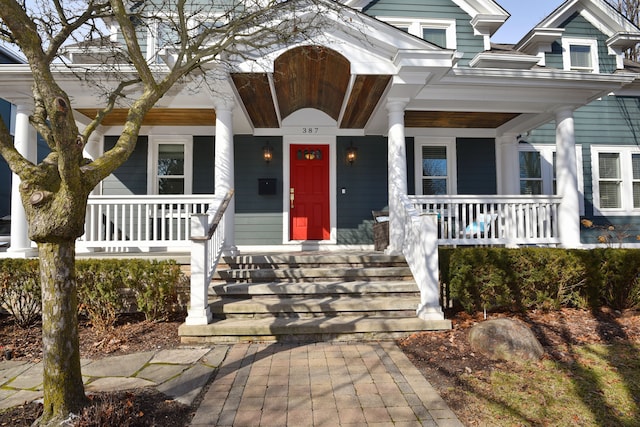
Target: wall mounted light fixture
x,y
352,153
267,152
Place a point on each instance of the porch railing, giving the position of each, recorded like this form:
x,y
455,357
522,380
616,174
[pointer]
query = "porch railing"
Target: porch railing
x,y
207,243
420,248
141,221
492,220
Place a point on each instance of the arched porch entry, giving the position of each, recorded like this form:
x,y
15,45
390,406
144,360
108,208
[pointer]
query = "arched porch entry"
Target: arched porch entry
x,y
310,98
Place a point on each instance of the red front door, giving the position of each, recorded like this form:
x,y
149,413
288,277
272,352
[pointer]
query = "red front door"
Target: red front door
x,y
309,192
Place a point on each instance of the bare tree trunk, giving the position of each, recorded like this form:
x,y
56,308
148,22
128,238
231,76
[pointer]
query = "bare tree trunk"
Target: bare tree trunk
x,y
63,387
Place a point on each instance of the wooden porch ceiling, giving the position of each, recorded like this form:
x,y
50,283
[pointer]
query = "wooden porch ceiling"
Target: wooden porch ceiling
x,y
159,116
456,119
318,77
310,77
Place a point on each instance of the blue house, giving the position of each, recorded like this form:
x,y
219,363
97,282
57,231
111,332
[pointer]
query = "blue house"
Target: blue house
x,y
404,109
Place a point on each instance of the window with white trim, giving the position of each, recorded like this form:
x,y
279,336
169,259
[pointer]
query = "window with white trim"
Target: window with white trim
x,y
440,32
537,165
580,55
616,180
170,164
435,166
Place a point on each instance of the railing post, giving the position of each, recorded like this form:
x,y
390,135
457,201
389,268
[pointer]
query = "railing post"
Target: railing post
x,y
430,307
199,312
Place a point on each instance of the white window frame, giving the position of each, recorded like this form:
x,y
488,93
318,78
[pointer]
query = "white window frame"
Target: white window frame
x,y
593,49
450,144
546,168
626,178
415,27
152,164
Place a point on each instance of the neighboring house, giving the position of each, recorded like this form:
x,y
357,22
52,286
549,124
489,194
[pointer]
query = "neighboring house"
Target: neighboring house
x,y
417,102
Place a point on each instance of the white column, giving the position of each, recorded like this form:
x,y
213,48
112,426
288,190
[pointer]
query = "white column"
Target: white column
x,y
397,171
509,174
567,180
224,170
92,150
25,142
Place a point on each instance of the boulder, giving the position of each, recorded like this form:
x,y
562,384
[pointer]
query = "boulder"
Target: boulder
x,y
505,339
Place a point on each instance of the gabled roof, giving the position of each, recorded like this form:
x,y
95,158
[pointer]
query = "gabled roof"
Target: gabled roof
x,y
12,56
622,33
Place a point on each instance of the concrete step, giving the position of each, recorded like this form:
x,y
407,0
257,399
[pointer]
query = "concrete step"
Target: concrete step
x,y
294,275
314,306
356,259
354,328
337,287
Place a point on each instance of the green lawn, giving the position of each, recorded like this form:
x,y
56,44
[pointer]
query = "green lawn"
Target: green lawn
x,y
595,385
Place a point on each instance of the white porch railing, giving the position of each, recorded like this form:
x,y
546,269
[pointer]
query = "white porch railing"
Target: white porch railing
x,y
126,222
207,243
493,220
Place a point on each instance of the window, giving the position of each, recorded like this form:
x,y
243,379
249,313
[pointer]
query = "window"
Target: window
x,y
530,172
580,55
171,166
437,36
537,164
440,32
162,35
616,180
435,166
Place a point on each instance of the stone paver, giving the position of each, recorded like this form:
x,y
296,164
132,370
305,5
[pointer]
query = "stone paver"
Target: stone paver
x,y
322,384
117,366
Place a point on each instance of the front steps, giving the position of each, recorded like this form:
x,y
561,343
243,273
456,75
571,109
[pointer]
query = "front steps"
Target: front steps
x,y
310,298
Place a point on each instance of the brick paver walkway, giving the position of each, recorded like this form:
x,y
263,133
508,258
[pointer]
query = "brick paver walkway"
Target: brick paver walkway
x,y
324,384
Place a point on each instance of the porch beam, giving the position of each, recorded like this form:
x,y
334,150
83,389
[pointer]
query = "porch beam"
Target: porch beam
x,y
567,179
397,172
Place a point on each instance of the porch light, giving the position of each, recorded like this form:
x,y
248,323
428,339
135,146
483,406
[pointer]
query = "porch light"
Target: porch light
x,y
267,152
352,153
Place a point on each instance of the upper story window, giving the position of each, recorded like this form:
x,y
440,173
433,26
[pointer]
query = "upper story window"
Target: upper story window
x,y
170,164
616,180
435,166
580,55
440,32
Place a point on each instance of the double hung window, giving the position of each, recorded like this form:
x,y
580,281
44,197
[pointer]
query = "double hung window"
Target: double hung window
x,y
580,55
435,166
537,165
440,32
616,180
171,166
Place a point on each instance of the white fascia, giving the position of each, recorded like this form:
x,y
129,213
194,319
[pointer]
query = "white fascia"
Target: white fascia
x,y
503,61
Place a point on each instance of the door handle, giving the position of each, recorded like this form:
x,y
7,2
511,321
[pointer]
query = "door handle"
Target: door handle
x,y
292,196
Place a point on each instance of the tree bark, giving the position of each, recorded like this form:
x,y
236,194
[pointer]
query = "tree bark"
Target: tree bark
x,y
62,383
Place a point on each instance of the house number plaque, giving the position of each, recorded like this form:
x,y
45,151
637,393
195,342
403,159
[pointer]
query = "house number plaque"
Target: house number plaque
x,y
307,130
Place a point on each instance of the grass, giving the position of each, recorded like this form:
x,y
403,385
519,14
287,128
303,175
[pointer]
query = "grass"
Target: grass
x,y
594,385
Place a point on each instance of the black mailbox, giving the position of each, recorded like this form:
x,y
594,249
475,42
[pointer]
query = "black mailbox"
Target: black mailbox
x,y
267,186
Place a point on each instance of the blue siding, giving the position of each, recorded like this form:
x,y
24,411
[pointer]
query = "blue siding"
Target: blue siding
x,y
203,164
578,27
610,120
365,185
467,43
131,177
476,166
258,217
5,173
